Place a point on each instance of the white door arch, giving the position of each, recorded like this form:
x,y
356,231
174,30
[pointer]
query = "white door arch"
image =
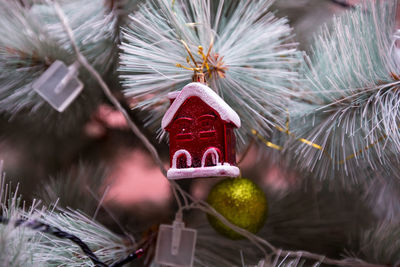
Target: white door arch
x,y
214,156
177,154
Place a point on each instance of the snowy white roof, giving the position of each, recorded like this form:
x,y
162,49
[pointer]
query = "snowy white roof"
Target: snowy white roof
x,y
173,95
208,96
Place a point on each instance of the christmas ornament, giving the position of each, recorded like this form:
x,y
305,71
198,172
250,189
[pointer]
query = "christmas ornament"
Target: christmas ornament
x,y
241,202
201,134
253,67
175,245
59,85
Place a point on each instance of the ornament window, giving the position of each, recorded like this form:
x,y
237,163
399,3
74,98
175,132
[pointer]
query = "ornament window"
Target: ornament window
x,y
184,126
206,125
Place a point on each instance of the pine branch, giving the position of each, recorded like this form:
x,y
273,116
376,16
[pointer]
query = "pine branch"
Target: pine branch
x,y
252,64
26,241
54,231
351,85
47,229
31,39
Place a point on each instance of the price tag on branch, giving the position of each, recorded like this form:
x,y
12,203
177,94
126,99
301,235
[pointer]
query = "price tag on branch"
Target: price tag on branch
x,y
175,245
59,85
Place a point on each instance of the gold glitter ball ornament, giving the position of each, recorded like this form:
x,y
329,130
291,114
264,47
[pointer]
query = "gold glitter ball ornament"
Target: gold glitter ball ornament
x,y
241,202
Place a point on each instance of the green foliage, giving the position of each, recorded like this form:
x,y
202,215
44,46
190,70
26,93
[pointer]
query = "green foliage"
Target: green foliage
x,y
352,97
51,251
31,38
20,246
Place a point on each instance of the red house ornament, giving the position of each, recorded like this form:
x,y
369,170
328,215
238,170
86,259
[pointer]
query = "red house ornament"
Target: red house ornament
x,y
201,134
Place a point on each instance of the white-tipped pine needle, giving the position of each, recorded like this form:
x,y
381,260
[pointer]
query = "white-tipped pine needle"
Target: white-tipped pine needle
x,y
107,246
21,246
352,87
252,64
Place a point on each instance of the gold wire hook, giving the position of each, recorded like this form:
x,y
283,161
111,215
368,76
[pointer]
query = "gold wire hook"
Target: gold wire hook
x,y
198,75
190,53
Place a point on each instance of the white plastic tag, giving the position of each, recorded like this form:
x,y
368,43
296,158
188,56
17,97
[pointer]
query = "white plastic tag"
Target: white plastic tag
x,y
59,85
175,245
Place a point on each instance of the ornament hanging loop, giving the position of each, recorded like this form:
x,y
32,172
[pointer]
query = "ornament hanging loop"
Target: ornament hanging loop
x,y
199,77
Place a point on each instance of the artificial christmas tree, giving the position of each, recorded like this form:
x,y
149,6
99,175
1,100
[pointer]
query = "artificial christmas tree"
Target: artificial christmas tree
x,y
319,133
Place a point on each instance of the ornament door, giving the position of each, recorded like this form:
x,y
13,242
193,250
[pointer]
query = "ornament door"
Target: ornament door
x,y
181,153
215,155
